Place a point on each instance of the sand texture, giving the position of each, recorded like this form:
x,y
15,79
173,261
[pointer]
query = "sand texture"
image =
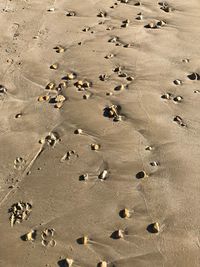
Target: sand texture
x,y
100,123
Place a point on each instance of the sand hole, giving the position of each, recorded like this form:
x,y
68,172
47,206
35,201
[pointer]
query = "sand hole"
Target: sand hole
x,y
141,175
194,76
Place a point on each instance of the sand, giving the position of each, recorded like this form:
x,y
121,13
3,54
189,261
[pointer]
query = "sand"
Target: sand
x,y
99,162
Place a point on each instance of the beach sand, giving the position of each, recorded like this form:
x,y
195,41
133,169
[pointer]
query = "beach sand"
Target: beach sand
x,y
99,162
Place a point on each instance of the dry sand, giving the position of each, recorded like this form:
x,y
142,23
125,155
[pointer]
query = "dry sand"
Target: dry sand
x,y
89,165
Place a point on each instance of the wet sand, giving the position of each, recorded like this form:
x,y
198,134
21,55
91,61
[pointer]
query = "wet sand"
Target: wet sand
x,y
99,157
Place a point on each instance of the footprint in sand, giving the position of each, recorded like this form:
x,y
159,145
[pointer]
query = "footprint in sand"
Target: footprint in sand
x,y
19,163
52,139
70,13
19,212
103,77
47,237
165,7
70,155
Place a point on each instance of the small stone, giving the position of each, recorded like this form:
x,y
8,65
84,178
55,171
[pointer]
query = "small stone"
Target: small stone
x,y
127,45
130,78
69,262
78,131
29,236
103,77
58,105
179,121
83,240
43,98
102,14
70,14
153,228
117,118
149,148
102,264
177,82
125,213
95,147
60,98
51,9
84,177
71,76
117,234
113,40
86,96
50,86
161,23
54,66
103,175
138,4
63,85
59,49
178,99
151,25
18,115
139,17
167,96
154,163
109,56
117,69
109,93
86,29
185,60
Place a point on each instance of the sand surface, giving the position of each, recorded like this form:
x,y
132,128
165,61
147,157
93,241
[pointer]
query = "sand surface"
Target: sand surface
x,y
125,82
